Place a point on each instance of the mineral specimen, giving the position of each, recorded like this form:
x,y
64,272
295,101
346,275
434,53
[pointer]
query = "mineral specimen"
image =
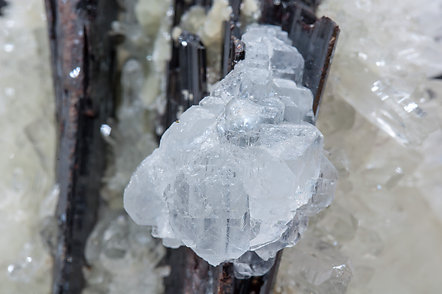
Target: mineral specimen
x,y
244,169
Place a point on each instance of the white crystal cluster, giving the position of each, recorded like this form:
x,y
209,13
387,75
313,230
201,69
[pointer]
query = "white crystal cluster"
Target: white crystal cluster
x,y
244,169
27,150
387,54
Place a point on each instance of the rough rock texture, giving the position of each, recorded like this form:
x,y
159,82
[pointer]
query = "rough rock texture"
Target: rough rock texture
x,y
27,150
243,170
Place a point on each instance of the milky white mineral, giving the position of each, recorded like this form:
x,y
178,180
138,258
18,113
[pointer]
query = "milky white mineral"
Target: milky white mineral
x,y
27,150
243,170
387,56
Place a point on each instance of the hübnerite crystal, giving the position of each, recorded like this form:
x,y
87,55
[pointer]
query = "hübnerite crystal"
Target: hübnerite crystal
x,y
237,176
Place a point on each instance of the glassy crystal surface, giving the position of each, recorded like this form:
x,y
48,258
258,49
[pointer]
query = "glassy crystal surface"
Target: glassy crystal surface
x,y
242,171
383,61
124,257
316,267
207,22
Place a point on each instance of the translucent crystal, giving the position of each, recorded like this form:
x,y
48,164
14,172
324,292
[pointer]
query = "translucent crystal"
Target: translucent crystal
x,y
120,251
316,267
237,177
382,71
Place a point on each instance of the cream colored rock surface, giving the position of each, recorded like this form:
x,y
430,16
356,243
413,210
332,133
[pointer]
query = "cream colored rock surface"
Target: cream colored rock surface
x,y
27,149
384,229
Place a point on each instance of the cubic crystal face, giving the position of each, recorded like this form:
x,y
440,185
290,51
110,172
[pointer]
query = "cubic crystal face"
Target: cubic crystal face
x,y
243,170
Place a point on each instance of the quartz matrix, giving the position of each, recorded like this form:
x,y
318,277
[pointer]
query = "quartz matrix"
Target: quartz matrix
x,y
237,176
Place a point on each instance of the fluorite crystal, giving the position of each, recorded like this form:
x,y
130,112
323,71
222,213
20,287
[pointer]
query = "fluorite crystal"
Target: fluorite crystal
x,y
243,170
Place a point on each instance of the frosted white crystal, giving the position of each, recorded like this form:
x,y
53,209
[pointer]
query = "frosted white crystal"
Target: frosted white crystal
x,y
234,174
145,25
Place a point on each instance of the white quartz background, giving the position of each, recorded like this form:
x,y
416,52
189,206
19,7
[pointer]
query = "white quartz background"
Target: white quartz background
x,y
385,225
27,149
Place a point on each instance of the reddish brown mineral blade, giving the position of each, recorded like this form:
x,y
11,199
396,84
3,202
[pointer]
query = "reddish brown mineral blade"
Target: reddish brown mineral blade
x,y
83,70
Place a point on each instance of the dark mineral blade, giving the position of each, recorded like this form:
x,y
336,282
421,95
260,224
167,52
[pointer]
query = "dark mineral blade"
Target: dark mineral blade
x,y
314,38
233,47
3,4
83,70
187,82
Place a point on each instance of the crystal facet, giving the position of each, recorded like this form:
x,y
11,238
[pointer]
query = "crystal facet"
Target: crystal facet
x,y
243,170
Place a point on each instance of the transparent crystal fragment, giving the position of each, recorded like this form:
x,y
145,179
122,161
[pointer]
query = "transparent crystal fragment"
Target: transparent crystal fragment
x,y
250,264
316,267
118,249
237,176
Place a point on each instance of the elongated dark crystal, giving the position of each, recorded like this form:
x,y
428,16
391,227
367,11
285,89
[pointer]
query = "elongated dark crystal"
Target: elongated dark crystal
x,y
187,83
314,38
233,47
80,40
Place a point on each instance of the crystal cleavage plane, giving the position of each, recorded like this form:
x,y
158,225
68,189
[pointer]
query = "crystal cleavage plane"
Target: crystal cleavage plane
x,y
237,176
